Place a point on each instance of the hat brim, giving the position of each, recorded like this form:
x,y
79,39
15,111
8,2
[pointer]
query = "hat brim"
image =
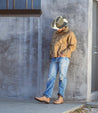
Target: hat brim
x,y
53,25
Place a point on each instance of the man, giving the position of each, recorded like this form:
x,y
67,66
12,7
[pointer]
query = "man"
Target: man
x,y
63,43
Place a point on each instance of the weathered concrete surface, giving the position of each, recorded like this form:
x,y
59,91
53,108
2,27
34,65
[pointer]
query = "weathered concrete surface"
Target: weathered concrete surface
x,y
19,64
31,106
24,51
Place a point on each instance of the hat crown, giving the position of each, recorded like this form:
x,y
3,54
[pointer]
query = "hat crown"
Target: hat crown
x,y
59,21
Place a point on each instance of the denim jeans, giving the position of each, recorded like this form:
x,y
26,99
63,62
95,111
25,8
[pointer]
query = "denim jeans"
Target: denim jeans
x,y
58,64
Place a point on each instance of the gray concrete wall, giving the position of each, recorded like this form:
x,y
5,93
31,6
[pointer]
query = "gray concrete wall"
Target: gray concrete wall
x,y
24,51
20,44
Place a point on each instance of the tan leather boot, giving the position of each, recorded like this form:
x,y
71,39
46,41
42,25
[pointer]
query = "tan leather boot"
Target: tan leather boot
x,y
43,99
59,100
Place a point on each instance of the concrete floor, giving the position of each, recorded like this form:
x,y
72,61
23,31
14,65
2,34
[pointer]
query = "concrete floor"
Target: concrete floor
x,y
32,106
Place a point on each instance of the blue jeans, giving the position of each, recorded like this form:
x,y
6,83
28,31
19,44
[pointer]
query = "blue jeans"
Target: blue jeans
x,y
57,64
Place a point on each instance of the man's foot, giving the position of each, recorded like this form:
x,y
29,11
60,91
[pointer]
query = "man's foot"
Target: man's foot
x,y
43,99
59,100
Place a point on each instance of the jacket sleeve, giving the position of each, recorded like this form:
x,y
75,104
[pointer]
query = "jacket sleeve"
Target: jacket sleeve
x,y
72,43
54,46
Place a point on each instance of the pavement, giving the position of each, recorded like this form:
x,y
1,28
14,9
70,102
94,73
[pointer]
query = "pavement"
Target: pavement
x,y
33,106
93,104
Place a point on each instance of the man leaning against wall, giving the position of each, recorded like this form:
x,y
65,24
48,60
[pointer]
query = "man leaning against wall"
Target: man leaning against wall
x,y
63,43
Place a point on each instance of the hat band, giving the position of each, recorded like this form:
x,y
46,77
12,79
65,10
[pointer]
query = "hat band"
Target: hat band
x,y
63,25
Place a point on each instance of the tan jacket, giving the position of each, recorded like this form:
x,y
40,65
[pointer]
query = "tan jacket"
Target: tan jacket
x,y
63,43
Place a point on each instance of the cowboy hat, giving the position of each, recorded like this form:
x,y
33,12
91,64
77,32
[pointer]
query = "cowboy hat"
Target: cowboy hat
x,y
59,22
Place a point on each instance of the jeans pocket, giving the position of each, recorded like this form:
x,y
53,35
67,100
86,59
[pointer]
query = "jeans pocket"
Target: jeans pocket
x,y
65,60
52,59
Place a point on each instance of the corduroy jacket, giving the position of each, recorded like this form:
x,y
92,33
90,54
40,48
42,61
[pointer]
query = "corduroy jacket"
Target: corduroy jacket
x,y
63,43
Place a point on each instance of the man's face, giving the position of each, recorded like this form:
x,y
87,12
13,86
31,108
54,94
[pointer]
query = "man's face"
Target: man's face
x,y
61,29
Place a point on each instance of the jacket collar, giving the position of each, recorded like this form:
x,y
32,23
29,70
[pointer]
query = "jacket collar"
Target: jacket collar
x,y
65,31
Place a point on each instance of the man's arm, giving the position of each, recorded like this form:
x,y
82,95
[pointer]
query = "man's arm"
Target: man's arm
x,y
51,44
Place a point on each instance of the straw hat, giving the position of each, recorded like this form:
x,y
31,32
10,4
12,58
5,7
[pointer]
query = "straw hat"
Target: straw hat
x,y
59,22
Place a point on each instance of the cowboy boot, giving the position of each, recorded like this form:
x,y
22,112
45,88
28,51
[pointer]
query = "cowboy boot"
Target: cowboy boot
x,y
59,100
43,99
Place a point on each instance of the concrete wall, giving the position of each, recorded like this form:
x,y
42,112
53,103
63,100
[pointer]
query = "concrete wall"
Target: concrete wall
x,y
19,65
24,51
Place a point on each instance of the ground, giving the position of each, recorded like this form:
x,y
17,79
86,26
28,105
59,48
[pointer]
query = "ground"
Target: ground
x,y
33,106
90,107
86,110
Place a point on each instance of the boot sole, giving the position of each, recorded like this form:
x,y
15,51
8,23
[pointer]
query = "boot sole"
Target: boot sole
x,y
58,103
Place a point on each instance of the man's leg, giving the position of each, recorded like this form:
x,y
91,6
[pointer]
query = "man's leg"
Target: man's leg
x,y
51,77
50,83
63,67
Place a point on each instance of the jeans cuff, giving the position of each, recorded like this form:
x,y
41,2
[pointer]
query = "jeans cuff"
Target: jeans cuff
x,y
60,95
46,95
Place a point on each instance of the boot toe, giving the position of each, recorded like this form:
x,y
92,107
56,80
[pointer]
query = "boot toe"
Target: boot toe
x,y
42,99
38,98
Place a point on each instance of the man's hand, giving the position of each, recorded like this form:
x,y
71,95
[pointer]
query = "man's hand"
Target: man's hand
x,y
51,56
61,55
